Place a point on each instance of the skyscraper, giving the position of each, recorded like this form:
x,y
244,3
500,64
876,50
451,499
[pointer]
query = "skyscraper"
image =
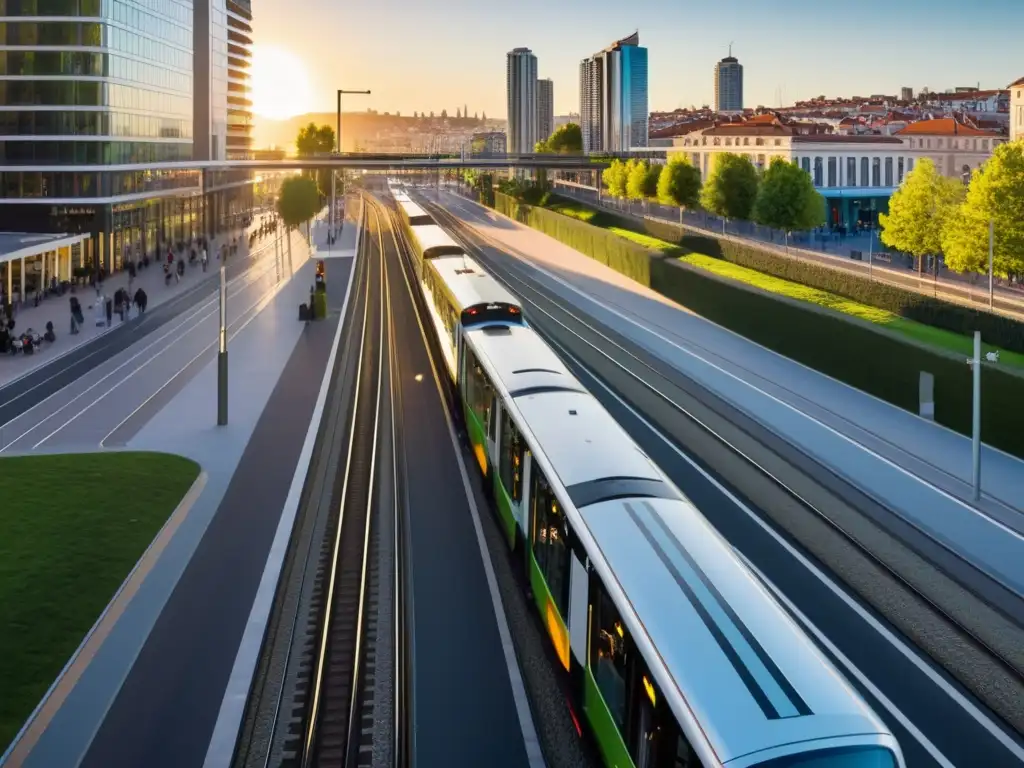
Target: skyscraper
x,y
545,109
521,84
729,84
613,97
128,87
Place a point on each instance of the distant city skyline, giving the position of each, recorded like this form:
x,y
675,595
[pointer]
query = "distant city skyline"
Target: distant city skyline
x,y
420,61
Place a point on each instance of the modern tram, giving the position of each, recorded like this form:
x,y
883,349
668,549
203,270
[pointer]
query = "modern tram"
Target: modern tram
x,y
677,654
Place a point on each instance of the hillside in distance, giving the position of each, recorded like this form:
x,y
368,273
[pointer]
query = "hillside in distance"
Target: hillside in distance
x,y
359,127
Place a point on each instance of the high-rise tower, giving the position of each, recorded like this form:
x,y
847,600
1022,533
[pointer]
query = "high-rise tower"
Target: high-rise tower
x,y
729,84
521,83
545,109
613,97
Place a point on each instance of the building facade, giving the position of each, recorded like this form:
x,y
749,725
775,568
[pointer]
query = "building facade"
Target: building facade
x,y
488,143
729,85
855,174
614,106
1017,110
87,102
521,85
545,109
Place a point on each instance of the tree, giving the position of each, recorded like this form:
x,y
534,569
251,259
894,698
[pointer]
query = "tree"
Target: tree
x,y
315,140
614,177
731,188
566,138
679,183
996,194
298,201
787,199
642,182
918,210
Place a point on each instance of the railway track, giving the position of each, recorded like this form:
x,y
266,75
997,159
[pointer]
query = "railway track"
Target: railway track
x,y
325,690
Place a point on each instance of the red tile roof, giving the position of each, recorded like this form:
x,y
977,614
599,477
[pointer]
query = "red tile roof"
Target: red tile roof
x,y
944,126
1015,83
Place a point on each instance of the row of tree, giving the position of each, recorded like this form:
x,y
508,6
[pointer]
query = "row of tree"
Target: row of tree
x,y
932,215
782,196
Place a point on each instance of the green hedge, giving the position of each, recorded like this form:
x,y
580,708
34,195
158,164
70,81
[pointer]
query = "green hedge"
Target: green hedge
x,y
628,258
995,329
869,360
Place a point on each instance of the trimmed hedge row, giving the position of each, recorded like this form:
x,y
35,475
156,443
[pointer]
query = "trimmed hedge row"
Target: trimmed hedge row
x,y
870,360
995,329
873,362
625,257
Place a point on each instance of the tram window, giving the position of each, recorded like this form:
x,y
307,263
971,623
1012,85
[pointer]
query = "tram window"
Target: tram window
x,y
550,544
511,462
609,657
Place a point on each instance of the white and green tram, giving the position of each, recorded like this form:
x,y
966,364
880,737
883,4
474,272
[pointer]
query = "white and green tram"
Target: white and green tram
x,y
678,656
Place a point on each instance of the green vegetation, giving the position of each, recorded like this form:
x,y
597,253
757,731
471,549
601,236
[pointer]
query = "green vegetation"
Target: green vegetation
x,y
868,355
679,183
71,529
731,188
566,139
298,201
919,210
316,139
787,199
996,195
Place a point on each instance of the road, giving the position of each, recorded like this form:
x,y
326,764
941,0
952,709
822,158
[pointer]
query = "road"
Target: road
x,y
136,373
947,286
936,720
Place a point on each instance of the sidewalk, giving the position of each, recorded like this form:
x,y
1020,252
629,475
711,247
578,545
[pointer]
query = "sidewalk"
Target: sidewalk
x,y
344,246
56,309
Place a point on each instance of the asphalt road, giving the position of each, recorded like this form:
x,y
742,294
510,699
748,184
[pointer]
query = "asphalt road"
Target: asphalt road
x,y
935,719
463,705
165,712
23,394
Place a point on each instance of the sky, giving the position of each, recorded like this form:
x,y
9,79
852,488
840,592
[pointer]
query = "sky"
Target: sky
x,y
428,55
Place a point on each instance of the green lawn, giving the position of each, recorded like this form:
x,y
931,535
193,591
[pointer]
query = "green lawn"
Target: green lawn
x,y
71,529
926,334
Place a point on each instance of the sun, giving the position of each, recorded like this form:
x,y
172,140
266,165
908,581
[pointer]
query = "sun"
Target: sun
x,y
280,83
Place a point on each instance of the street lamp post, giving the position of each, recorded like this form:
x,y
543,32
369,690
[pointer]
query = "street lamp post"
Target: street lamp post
x,y
222,352
334,174
975,364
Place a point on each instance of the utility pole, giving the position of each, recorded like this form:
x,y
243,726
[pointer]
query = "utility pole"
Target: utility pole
x,y
975,364
334,176
222,353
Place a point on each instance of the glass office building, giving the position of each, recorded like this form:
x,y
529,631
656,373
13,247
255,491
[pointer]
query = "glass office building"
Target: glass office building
x,y
613,97
90,84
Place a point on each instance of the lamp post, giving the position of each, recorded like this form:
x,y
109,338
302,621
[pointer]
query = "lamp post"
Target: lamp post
x,y
222,352
334,192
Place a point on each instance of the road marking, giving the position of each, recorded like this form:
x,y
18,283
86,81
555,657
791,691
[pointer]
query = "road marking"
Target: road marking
x,y
613,310
229,719
80,660
261,301
249,279
531,743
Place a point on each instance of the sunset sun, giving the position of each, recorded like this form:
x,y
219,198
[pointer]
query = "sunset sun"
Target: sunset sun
x,y
280,84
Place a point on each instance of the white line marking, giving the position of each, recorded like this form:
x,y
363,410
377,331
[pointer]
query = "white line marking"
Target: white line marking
x,y
884,700
232,708
788,406
247,276
262,300
968,706
530,741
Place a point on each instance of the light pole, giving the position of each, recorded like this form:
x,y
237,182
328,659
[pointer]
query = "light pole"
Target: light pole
x,y
334,174
222,352
975,364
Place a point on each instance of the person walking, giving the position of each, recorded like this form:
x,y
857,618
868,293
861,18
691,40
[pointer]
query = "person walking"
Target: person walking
x,y
204,258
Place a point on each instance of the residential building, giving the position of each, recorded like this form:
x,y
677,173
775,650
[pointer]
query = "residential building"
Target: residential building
x,y
117,85
561,120
613,97
521,85
856,174
729,84
488,143
906,94
1017,110
545,109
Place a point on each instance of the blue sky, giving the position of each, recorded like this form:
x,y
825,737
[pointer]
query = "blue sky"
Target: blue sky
x,y
434,54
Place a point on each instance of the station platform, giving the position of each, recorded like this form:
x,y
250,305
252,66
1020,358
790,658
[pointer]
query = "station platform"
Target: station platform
x,y
146,686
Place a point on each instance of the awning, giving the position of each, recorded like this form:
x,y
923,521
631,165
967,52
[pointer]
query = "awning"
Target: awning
x,y
21,245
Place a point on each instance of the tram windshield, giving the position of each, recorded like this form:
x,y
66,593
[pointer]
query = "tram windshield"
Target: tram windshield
x,y
845,757
496,312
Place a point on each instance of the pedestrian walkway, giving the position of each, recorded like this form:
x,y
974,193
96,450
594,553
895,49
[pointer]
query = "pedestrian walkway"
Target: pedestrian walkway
x,y
344,245
56,309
